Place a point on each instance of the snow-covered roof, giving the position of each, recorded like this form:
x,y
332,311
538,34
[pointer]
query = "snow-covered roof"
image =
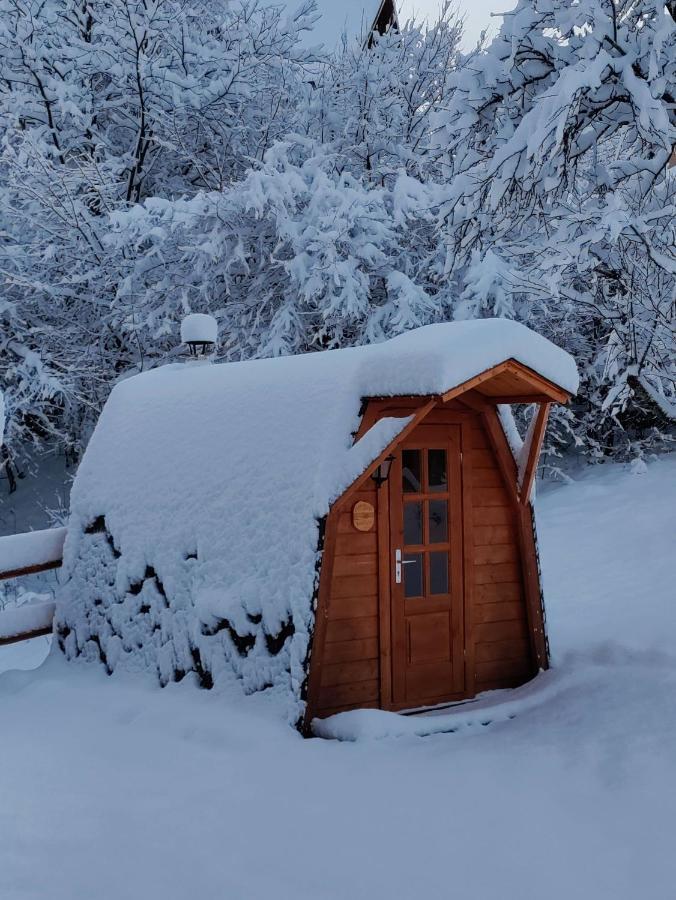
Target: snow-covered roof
x,y
236,463
335,19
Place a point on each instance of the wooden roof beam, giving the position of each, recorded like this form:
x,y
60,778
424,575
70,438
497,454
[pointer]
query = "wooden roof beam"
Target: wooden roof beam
x,y
515,399
473,382
534,440
539,385
476,401
532,448
415,420
539,382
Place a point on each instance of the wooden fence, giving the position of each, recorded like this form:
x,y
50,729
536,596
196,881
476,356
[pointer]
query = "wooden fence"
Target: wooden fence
x,y
27,554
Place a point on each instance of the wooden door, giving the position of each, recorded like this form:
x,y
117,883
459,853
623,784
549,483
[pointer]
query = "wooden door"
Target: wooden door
x,y
426,557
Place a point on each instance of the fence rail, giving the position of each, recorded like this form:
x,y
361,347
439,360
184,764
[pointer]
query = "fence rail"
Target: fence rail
x,y
27,635
28,554
30,570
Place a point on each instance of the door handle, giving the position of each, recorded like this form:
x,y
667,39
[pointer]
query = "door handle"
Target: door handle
x,y
398,563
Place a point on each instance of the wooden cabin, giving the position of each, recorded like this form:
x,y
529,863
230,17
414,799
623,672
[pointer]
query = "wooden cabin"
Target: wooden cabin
x,y
348,528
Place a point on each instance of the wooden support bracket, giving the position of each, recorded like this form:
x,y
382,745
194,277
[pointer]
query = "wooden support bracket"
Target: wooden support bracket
x,y
531,450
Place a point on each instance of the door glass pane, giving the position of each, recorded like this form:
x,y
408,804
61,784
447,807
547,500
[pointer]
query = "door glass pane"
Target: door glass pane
x,y
436,467
438,521
413,530
438,573
412,565
411,472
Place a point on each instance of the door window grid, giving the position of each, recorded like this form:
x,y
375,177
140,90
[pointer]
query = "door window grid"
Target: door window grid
x,y
426,528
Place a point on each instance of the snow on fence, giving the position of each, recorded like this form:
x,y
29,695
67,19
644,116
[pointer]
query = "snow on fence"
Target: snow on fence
x,y
26,554
34,551
24,622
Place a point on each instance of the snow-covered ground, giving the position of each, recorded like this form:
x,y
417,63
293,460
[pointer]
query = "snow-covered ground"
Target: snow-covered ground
x,y
111,788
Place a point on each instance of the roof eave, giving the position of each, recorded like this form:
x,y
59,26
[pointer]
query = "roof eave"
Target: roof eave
x,y
491,383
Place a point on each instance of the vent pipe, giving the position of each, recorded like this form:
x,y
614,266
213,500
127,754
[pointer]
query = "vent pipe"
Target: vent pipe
x,y
199,332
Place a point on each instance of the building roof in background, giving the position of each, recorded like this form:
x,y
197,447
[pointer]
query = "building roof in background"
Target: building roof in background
x,y
355,19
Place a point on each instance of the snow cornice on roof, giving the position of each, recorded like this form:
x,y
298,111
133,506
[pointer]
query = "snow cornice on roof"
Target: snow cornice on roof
x,y
434,360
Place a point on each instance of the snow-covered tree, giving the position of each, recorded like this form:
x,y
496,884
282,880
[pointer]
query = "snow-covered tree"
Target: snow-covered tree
x,y
160,156
103,104
557,139
374,108
332,240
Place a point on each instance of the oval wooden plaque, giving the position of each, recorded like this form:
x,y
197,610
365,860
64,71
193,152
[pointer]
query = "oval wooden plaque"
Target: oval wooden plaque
x,y
363,515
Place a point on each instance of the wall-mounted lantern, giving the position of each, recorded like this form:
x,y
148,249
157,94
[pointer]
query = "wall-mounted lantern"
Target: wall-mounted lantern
x,y
381,474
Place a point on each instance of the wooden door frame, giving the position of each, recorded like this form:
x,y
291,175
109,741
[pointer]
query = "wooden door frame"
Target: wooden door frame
x,y
384,596
462,642
467,557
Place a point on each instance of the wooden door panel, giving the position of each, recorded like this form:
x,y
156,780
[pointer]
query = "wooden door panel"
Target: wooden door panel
x,y
429,682
426,604
429,637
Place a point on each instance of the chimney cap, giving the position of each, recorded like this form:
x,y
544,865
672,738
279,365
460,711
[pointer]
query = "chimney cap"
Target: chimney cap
x,y
200,332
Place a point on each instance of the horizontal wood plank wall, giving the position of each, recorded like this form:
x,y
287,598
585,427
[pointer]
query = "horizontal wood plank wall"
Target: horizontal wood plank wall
x,y
350,676
502,649
499,651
